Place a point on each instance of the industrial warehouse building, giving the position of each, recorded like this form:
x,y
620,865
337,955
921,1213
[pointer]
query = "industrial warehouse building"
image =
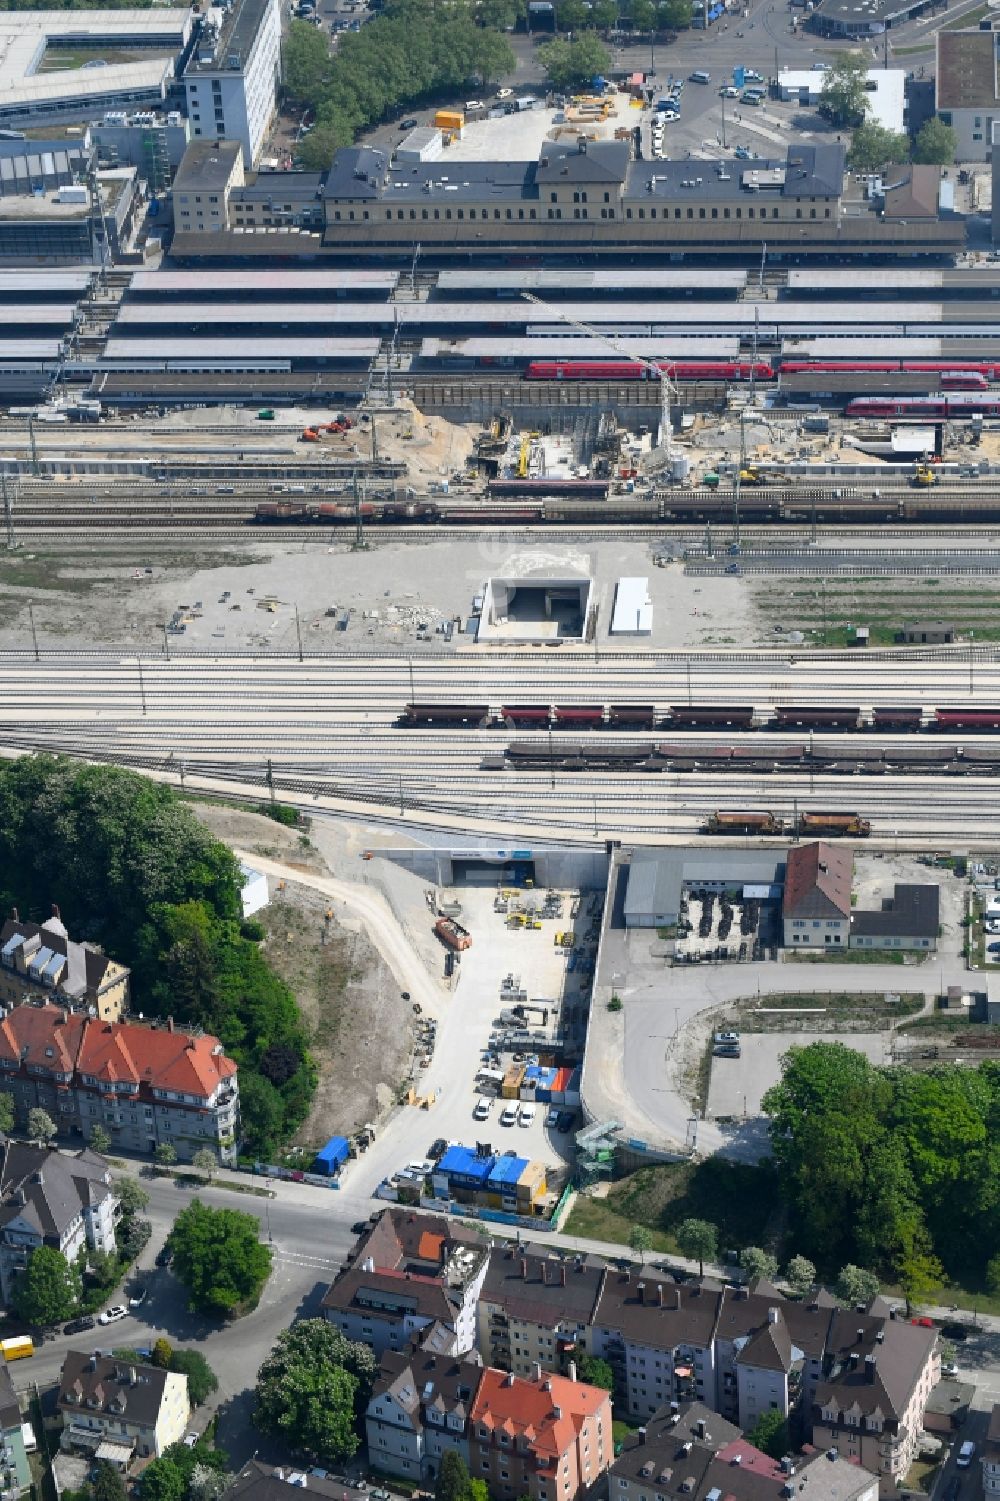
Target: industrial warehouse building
x,y
656,881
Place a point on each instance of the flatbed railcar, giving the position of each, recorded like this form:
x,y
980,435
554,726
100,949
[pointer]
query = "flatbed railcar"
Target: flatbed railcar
x,y
445,715
804,717
967,719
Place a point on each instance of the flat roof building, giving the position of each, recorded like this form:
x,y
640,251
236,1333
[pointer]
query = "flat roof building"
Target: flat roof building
x,y
966,89
208,172
232,78
633,612
908,919
657,880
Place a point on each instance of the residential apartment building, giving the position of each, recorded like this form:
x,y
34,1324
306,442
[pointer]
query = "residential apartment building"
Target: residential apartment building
x,y
231,81
991,1455
207,175
48,1199
768,1351
658,1337
535,1309
877,1376
548,1438
966,89
120,1411
41,960
419,1409
690,1452
144,1084
411,1274
816,906
15,1471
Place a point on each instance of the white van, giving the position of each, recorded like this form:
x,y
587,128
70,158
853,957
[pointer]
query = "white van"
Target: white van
x,y
700,75
483,1107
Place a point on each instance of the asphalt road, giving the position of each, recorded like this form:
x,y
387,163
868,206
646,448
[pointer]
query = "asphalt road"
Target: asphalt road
x,y
309,1238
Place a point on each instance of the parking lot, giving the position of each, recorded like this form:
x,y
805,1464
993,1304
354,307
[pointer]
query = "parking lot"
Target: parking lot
x,y
558,976
739,1084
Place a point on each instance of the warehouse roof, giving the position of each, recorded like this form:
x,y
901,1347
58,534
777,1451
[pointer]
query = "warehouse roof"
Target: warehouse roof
x,y
670,278
655,881
279,347
290,281
911,912
966,69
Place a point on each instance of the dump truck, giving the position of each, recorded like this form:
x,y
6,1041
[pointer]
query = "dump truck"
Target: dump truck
x,y
744,823
827,824
452,933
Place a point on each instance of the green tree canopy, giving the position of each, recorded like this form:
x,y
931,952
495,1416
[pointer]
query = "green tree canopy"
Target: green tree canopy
x,y
568,64
163,1480
936,143
166,1153
873,146
48,1290
640,1240
219,1258
770,1433
855,1285
800,1274
674,15
108,1484
262,1113
6,1113
202,1380
41,1126
307,60
643,13
595,1372
757,1262
698,1240
312,1390
131,1195
452,1483
843,99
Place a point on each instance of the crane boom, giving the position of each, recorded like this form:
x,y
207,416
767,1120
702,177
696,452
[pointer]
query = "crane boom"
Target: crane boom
x,y
620,347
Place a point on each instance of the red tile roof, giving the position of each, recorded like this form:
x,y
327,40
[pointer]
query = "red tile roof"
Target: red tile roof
x,y
818,881
114,1052
431,1246
528,1409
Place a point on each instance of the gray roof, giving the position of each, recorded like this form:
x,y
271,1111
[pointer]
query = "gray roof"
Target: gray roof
x,y
911,912
206,166
10,1411
47,1189
420,1380
657,1443
883,1374
289,187
655,880
584,161
657,1312
260,1482
966,69
542,1288
119,1390
236,38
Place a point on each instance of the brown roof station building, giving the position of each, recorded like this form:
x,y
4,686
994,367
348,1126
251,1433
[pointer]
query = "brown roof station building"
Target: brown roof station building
x,y
816,907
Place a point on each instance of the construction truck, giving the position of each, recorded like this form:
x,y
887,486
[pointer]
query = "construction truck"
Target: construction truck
x,y
924,474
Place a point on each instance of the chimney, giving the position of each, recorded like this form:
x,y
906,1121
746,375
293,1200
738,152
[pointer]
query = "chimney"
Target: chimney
x,y
860,1333
133,1376
547,1386
55,910
170,1024
870,1367
562,1274
659,1289
774,1315
699,1428
855,1358
557,1413
823,867
571,1370
524,1268
509,1379
15,914
537,1375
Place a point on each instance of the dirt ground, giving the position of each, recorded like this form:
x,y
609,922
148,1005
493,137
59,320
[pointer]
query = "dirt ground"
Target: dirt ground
x,y
360,1028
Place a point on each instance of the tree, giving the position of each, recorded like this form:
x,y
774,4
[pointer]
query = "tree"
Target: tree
x,y
843,99
205,1161
640,1240
643,15
800,1274
307,60
757,1262
571,15
577,62
6,1114
312,1389
873,146
604,15
993,1274
219,1258
48,1290
452,1482
936,143
100,1140
919,1272
163,1353
103,1269
698,1240
165,1154
108,1484
206,1484
855,1285
262,1114
770,1433
202,1380
595,1372
163,1480
315,154
673,15
132,1197
41,1126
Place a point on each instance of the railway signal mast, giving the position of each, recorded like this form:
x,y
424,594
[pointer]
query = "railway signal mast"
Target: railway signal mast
x,y
675,455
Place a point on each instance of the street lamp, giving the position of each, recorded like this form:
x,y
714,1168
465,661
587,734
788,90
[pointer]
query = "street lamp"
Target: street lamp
x,y
31,619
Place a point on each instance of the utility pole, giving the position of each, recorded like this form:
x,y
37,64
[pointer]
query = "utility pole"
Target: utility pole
x,y
34,633
142,684
269,778
33,445
413,696
724,122
166,642
298,631
552,762
763,262
8,511
359,534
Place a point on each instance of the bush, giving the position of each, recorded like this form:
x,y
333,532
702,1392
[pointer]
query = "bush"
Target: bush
x,y
202,1380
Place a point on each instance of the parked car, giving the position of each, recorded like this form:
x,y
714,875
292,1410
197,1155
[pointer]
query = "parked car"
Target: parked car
x,y
164,1256
421,1167
437,1149
80,1325
360,1227
508,1115
552,1118
139,1296
527,1115
482,1110
965,1454
923,1323
410,124
729,92
565,1121
113,1314
190,1439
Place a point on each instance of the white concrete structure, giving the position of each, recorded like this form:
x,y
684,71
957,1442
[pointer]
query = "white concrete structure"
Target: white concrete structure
x,y
28,97
231,82
425,144
885,88
254,895
633,612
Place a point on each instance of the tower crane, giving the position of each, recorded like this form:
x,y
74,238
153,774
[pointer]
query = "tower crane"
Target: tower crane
x,y
652,368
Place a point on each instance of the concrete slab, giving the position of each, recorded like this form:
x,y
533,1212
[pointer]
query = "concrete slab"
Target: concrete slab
x,y
738,1085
